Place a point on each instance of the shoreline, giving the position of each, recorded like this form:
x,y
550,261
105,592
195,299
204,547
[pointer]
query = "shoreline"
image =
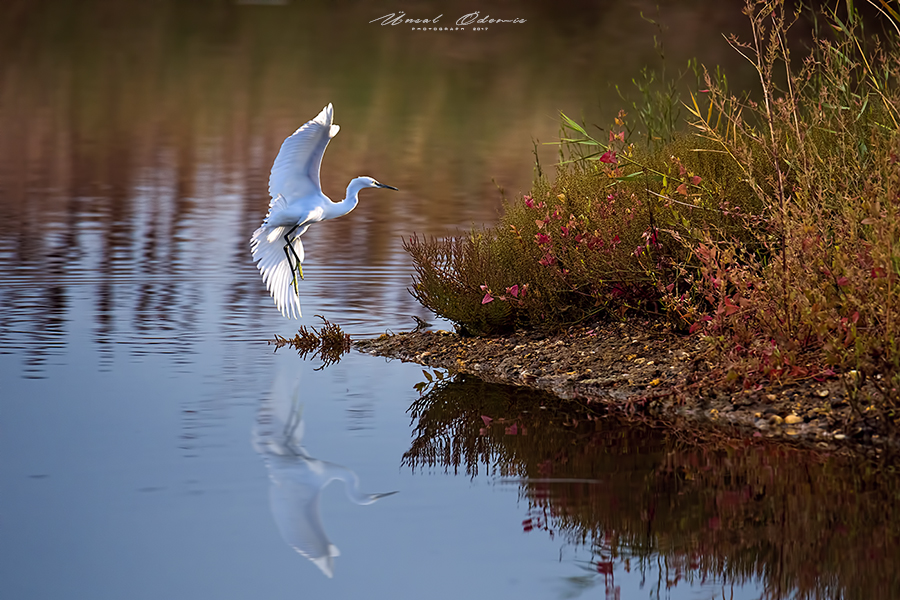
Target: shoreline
x,y
643,370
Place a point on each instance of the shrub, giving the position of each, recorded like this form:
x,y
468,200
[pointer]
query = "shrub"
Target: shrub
x,y
607,237
772,228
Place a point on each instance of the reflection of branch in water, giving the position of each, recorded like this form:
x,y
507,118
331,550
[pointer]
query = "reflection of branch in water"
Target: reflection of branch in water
x,y
296,479
329,343
682,509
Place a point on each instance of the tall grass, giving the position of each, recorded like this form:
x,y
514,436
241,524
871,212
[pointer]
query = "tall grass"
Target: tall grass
x,y
769,227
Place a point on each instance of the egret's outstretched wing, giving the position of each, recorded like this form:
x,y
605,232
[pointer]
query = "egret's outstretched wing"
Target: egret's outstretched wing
x,y
267,246
295,173
268,249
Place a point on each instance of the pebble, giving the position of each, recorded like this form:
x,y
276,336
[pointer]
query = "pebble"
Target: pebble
x,y
793,419
822,393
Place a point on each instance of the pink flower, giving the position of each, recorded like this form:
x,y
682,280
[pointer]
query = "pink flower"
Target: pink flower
x,y
513,291
529,201
487,298
542,238
548,260
609,157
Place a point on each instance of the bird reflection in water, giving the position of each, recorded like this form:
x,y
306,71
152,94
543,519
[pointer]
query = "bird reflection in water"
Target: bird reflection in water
x,y
296,479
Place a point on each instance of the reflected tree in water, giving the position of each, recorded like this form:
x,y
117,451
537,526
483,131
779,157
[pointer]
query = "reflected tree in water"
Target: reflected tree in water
x,y
681,507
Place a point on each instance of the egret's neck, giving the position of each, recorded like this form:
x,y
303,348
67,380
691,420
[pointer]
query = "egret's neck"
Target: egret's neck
x,y
339,209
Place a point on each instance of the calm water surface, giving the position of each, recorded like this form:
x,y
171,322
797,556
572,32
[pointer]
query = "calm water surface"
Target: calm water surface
x,y
152,444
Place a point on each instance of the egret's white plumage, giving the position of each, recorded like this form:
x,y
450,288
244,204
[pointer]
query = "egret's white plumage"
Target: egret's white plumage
x,y
297,202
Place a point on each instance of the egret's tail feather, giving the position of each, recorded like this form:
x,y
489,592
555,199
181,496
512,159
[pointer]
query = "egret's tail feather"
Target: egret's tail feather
x,y
267,247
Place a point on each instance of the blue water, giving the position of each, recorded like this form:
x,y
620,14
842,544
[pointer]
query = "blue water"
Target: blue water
x,y
145,484
150,438
127,426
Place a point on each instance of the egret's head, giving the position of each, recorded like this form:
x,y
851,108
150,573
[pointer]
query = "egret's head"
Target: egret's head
x,y
370,182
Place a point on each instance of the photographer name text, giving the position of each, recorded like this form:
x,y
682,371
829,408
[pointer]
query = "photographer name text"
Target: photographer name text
x,y
472,19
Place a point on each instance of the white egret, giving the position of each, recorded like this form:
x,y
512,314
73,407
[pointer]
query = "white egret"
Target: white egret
x,y
296,479
297,202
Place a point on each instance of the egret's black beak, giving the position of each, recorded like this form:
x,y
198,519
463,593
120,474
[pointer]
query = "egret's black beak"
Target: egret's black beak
x,y
390,187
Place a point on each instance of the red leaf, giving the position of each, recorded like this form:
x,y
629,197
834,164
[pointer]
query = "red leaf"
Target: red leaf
x,y
609,157
696,179
682,189
730,308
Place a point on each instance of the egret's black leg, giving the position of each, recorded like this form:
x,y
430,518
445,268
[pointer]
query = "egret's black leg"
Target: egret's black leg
x,y
289,247
287,255
296,267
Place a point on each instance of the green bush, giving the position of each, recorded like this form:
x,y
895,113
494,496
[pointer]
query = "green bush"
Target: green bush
x,y
607,237
772,228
